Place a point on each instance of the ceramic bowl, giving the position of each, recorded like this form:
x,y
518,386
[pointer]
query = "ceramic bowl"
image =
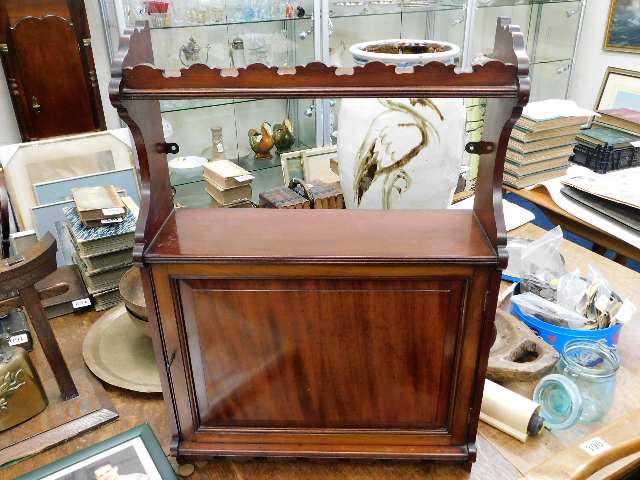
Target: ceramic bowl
x,y
362,56
186,169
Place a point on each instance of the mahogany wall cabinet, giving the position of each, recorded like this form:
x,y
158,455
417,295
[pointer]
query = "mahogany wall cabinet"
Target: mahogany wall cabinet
x,y
322,333
45,48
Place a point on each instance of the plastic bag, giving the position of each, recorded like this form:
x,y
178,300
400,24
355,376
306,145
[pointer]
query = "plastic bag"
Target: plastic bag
x,y
549,312
571,290
543,265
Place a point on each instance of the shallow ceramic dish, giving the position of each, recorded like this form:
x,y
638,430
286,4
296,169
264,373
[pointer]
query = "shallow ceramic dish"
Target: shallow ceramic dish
x,y
186,169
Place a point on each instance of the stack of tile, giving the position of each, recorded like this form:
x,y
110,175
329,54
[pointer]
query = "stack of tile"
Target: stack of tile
x,y
228,184
539,150
103,254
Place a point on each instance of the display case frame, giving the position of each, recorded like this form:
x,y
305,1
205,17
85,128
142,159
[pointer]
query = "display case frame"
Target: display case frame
x,y
197,261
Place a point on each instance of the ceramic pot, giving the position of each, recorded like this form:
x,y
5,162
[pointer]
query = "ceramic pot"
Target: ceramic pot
x,y
415,52
400,153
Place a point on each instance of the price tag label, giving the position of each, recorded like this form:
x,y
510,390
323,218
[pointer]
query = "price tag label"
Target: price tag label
x,y
83,302
635,144
244,178
595,446
220,147
110,221
18,339
113,211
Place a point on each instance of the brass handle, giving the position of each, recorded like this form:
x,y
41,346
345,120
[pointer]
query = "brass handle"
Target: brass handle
x,y
35,105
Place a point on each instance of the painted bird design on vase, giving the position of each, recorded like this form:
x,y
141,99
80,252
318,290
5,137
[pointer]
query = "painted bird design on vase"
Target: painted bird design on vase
x,y
262,142
385,150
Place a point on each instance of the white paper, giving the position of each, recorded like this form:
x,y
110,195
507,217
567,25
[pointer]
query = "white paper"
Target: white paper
x,y
554,108
621,186
18,339
635,144
113,211
595,446
514,215
83,302
244,178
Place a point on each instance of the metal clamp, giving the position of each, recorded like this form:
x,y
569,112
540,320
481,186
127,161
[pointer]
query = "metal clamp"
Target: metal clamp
x,y
168,148
480,148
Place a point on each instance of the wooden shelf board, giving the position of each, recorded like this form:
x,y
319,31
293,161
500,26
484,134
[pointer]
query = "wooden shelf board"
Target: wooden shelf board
x,y
330,236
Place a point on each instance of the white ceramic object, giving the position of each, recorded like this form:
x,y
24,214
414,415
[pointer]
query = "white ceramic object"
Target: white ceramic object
x,y
400,153
186,169
362,56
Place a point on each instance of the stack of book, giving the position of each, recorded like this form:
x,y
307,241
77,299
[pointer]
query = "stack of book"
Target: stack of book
x,y
228,184
612,142
103,254
540,150
98,206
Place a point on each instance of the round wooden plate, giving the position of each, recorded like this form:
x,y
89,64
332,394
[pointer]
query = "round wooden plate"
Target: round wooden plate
x,y
120,353
132,292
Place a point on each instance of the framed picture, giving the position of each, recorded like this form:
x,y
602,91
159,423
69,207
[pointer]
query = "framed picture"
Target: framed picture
x,y
623,31
60,190
53,159
310,164
132,455
620,89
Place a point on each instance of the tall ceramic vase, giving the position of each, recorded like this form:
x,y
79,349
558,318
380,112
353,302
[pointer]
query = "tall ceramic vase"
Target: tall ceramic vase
x,y
400,153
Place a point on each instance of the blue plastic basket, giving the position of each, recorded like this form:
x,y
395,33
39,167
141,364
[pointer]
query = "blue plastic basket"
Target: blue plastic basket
x,y
558,336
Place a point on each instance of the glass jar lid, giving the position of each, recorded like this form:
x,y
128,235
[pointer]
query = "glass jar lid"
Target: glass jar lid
x,y
591,359
560,401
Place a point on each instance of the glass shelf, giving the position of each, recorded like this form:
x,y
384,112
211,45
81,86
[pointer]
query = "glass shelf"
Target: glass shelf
x,y
169,106
230,22
365,10
514,3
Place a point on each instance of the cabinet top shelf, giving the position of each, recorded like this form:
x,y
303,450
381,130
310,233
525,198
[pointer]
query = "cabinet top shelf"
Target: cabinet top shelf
x,y
135,76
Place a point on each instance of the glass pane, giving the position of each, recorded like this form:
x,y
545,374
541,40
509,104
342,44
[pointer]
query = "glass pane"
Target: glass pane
x,y
559,24
550,80
485,26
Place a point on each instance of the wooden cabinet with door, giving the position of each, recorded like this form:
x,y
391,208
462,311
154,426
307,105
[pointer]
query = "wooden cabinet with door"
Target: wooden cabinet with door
x,y
45,47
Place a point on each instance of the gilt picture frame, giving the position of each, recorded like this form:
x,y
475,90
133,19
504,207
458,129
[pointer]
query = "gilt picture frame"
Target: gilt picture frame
x,y
623,32
134,454
620,89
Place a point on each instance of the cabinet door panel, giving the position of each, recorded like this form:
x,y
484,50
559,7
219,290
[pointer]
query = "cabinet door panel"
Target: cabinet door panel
x,y
324,353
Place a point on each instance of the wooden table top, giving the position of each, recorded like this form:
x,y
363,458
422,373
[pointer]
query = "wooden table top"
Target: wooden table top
x,y
540,196
499,456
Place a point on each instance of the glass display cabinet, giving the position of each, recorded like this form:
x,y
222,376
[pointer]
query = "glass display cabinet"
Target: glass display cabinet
x,y
327,333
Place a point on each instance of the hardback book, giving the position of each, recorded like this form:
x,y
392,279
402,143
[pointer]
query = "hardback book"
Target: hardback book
x,y
531,168
75,300
531,125
524,181
616,211
283,197
103,281
526,136
620,118
529,147
245,203
230,195
109,261
98,203
91,242
107,299
539,156
226,174
323,195
601,135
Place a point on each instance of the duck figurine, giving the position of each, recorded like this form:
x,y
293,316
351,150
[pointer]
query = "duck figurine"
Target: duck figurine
x,y
262,142
283,135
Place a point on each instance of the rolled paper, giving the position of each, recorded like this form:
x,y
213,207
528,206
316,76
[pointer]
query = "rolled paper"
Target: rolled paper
x,y
510,412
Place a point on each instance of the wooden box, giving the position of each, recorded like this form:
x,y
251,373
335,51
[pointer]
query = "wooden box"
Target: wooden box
x,y
322,333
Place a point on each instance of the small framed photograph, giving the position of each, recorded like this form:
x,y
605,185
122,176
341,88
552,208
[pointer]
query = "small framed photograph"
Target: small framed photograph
x,y
308,165
132,455
620,89
623,34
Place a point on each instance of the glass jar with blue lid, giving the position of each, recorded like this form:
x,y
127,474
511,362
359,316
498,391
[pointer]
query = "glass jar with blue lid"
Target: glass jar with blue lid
x,y
582,388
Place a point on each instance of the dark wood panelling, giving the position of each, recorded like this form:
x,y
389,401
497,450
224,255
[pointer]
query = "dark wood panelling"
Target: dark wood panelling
x,y
319,353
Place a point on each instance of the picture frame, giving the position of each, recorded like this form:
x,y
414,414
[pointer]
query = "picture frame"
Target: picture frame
x,y
620,89
622,27
135,454
309,164
60,190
